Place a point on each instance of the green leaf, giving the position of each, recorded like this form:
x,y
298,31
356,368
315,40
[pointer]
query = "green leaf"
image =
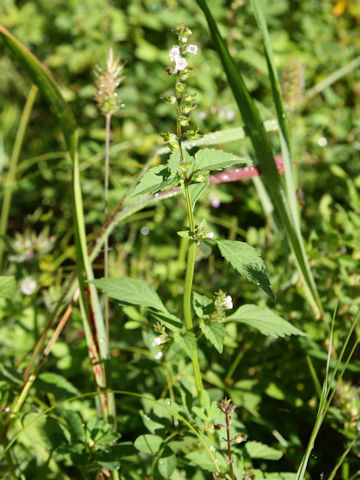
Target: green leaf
x,y
265,158
75,425
196,190
264,320
148,443
57,384
187,342
213,159
203,305
7,286
246,261
259,450
215,333
170,321
154,180
167,464
132,291
202,459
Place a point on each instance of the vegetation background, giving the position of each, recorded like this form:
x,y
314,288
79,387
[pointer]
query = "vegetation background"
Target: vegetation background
x,y
274,383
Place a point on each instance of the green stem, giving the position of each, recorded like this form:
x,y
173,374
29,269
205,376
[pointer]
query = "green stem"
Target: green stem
x,y
188,291
10,182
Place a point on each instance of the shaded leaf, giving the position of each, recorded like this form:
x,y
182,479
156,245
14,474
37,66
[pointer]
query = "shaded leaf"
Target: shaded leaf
x,y
167,464
170,321
215,333
203,305
246,261
187,342
148,443
264,320
154,180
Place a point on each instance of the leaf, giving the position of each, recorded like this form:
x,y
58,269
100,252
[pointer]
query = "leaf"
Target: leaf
x,y
172,322
148,443
132,291
56,384
265,158
213,159
187,342
7,286
264,320
215,333
154,180
74,425
203,305
259,450
174,162
167,464
246,261
196,189
202,459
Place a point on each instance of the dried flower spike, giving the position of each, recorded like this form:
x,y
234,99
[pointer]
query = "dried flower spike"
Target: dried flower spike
x,y
107,83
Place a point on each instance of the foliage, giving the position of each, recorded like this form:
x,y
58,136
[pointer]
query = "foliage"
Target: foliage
x,y
252,335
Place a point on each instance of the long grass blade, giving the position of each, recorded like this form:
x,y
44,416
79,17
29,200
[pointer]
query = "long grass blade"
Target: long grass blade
x,y
265,158
50,90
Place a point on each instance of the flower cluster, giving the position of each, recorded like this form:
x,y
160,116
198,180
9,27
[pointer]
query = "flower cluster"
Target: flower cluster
x,y
159,340
185,102
107,83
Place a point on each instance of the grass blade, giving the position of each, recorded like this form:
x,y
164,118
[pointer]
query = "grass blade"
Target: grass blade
x,y
50,90
263,151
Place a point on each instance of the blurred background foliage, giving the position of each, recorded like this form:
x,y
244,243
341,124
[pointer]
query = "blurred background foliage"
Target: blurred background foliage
x,y
311,40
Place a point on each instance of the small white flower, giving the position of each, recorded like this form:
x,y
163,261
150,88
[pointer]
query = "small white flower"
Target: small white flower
x,y
228,303
159,355
157,341
180,64
174,53
193,49
210,235
28,286
230,115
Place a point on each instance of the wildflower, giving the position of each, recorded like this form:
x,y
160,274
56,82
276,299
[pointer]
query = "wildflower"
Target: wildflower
x,y
174,53
215,201
159,355
210,235
180,64
193,49
28,286
158,341
228,303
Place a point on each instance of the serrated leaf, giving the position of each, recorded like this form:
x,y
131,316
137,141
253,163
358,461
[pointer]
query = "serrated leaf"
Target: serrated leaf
x,y
132,291
203,305
246,261
259,450
264,320
154,180
214,159
187,342
215,333
7,286
148,443
167,465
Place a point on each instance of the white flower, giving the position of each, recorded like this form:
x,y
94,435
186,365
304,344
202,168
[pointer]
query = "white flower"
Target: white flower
x,y
210,235
180,64
228,303
193,49
28,286
157,341
158,355
174,53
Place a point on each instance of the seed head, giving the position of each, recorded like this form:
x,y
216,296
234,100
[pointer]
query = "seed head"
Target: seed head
x,y
107,83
